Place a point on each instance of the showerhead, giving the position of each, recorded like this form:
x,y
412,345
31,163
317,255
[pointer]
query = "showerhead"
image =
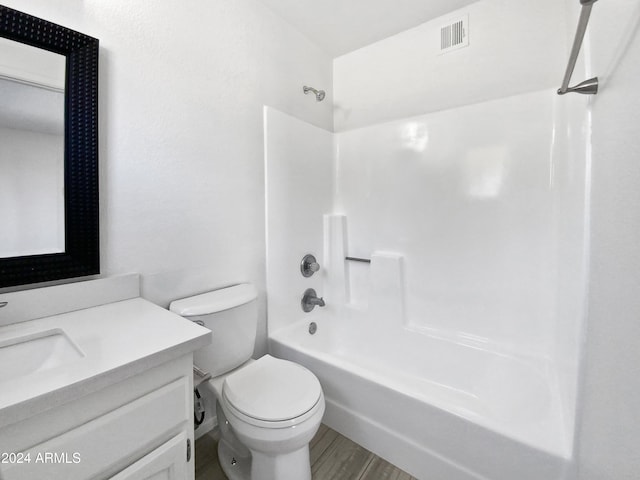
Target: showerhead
x,y
318,93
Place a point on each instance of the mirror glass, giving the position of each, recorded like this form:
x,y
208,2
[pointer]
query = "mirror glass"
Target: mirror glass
x,y
32,119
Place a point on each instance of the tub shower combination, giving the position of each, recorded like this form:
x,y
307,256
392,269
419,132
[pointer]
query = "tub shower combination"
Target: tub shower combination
x,y
430,405
453,350
438,405
443,307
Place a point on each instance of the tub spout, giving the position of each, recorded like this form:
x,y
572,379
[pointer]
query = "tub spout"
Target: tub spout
x,y
319,302
310,300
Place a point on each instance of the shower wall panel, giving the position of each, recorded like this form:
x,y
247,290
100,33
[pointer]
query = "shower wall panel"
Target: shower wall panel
x,y
299,178
481,200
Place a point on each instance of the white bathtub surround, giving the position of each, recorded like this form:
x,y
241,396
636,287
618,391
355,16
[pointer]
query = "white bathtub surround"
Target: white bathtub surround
x,y
387,287
472,323
483,212
299,173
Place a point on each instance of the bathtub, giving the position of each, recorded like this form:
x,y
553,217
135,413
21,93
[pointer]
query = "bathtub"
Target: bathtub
x,y
439,408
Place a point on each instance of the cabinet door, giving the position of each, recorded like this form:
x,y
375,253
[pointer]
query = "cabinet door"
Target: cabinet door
x,y
108,443
167,462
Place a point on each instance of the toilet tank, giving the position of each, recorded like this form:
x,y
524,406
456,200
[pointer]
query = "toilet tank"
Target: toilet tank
x,y
232,316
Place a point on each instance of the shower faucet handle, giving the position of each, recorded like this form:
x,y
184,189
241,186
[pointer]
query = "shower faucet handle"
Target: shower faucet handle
x,y
309,265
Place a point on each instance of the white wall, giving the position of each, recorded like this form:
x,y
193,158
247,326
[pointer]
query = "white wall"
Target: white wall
x,y
182,88
609,432
515,47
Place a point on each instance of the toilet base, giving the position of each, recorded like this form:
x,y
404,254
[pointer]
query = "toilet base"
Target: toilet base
x,y
288,466
260,466
234,466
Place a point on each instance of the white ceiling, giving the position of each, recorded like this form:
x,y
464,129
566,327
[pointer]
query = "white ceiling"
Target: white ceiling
x,y
341,26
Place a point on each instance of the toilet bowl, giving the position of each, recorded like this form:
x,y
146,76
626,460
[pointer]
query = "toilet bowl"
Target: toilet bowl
x,y
268,409
274,408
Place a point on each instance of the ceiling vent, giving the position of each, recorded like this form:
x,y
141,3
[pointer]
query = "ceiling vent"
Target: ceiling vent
x,y
454,35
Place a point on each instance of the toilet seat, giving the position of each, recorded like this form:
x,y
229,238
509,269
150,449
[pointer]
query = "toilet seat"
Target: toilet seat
x,y
270,424
272,393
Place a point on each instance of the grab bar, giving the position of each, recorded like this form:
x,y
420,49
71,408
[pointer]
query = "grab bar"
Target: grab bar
x,y
358,259
588,87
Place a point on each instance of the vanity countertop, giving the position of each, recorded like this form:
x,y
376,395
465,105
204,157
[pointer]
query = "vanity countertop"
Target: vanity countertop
x,y
113,342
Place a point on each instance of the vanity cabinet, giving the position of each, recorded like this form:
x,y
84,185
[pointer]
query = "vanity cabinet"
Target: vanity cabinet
x,y
136,429
95,383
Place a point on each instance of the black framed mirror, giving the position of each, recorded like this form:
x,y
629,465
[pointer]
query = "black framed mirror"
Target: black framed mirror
x,y
78,254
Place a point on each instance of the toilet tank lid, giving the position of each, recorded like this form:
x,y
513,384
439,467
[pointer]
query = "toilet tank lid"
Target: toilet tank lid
x,y
215,301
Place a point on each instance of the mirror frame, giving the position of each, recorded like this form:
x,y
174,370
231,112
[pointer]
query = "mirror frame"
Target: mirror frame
x,y
82,249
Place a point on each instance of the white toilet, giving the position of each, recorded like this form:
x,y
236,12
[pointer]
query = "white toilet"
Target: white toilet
x,y
268,409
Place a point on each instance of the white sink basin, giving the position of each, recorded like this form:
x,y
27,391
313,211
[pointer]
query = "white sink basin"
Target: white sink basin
x,y
23,355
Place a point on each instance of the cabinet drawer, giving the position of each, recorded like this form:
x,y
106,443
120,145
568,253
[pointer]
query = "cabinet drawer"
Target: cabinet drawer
x,y
167,462
108,443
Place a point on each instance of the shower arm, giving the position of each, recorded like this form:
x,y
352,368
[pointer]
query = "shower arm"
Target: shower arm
x,y
588,87
318,93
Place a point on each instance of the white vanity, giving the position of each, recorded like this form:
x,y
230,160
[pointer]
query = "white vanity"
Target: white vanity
x,y
101,387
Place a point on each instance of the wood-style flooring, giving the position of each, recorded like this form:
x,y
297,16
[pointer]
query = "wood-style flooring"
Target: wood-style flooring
x,y
333,457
